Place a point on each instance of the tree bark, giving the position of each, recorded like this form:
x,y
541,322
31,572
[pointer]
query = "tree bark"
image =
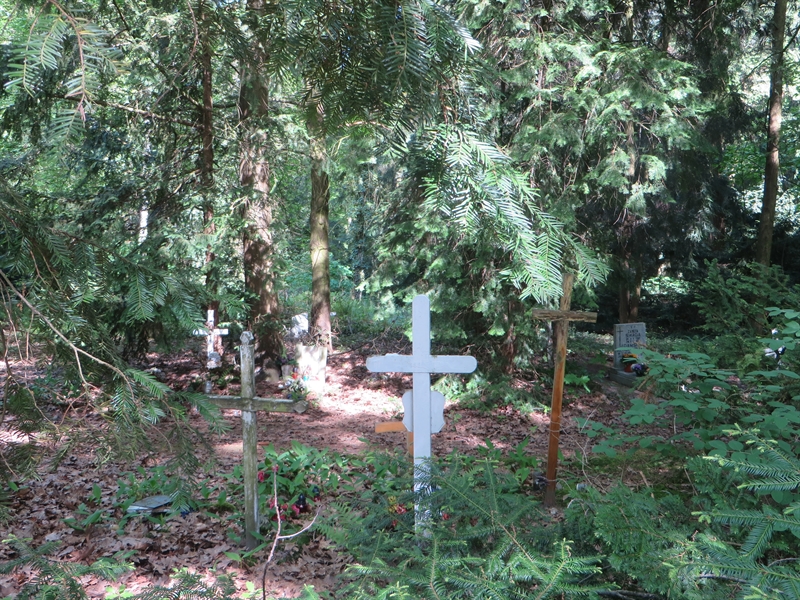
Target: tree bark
x,y
258,241
320,319
630,293
207,167
772,167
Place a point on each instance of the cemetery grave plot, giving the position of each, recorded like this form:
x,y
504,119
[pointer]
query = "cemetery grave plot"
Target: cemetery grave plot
x,y
343,421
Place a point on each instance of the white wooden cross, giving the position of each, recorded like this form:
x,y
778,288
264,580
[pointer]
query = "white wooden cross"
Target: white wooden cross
x,y
421,364
213,334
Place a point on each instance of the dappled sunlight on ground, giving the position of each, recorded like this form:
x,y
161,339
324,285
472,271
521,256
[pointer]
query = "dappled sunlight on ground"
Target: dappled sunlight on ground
x,y
342,421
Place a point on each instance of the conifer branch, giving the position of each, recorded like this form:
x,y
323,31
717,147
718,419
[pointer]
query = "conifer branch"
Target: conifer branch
x,y
57,331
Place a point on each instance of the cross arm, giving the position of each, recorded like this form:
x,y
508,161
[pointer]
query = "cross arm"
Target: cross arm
x,y
398,363
565,315
265,404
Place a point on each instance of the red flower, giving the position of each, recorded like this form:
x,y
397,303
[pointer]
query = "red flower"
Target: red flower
x,y
261,476
445,516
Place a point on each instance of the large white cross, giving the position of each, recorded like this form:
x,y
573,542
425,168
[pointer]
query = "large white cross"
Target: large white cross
x,y
421,364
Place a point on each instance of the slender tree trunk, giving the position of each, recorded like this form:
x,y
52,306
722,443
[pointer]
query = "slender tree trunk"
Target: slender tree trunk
x,y
630,292
772,167
207,167
667,23
320,321
258,240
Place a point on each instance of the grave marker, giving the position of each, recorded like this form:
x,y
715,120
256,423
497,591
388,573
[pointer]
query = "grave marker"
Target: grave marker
x,y
628,335
560,320
312,366
249,404
407,424
213,342
421,364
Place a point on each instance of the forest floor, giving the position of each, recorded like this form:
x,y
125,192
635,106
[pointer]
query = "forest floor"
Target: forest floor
x,y
343,420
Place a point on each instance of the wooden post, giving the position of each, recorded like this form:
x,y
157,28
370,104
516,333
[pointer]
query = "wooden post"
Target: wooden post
x,y
248,404
561,319
394,426
249,441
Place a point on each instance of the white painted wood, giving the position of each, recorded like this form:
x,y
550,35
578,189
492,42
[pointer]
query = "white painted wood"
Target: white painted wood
x,y
421,364
402,363
214,360
437,411
427,410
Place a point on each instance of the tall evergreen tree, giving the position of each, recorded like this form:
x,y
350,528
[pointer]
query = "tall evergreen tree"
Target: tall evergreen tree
x,y
772,166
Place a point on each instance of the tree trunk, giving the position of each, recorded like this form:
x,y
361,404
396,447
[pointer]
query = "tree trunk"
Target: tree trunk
x,y
320,320
258,241
630,293
207,169
772,167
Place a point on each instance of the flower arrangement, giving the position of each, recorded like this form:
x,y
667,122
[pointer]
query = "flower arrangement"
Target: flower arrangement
x,y
296,390
628,360
639,369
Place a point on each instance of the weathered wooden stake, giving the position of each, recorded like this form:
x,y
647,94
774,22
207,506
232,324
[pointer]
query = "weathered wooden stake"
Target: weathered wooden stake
x,y
248,404
561,319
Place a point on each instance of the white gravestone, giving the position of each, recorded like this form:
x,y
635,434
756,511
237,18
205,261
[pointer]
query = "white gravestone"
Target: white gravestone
x,y
299,325
628,335
312,365
424,416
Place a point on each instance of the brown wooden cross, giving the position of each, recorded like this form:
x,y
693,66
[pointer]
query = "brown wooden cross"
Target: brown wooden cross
x,y
249,404
561,319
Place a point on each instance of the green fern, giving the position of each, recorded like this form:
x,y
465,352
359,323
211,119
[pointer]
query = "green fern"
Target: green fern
x,y
774,470
492,543
53,579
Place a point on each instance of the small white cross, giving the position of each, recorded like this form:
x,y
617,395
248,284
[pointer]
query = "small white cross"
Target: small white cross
x,y
421,364
214,359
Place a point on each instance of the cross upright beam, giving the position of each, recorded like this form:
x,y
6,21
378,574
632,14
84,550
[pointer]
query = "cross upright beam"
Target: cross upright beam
x,y
560,320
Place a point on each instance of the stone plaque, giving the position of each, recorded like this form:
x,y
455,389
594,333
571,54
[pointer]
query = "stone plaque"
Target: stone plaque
x,y
628,335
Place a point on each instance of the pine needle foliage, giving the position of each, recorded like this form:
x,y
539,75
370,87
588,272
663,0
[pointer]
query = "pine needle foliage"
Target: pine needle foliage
x,y
475,185
56,580
483,538
63,62
87,306
191,586
763,567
